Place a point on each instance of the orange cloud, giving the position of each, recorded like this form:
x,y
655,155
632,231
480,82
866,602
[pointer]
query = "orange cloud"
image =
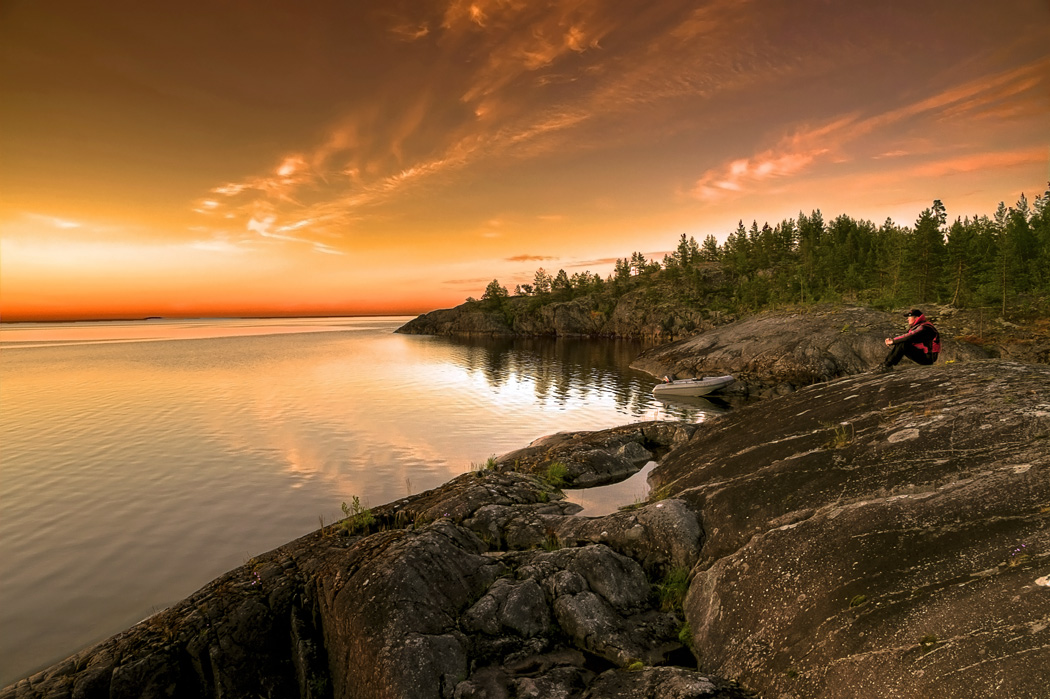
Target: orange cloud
x,y
409,32
980,162
807,148
530,258
792,156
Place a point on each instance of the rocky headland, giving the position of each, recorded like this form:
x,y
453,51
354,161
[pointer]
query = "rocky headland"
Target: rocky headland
x,y
634,315
850,536
641,316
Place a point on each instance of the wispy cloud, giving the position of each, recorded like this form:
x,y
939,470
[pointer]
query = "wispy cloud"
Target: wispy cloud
x,y
1014,91
791,156
530,258
467,283
979,162
265,228
410,32
52,221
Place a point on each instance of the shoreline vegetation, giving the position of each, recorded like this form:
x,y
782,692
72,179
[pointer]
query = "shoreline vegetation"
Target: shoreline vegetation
x,y
1000,263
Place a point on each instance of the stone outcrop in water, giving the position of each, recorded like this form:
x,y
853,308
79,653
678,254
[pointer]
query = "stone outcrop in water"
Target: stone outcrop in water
x,y
588,459
869,536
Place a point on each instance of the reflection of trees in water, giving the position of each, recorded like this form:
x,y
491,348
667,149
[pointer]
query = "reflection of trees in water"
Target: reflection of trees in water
x,y
564,369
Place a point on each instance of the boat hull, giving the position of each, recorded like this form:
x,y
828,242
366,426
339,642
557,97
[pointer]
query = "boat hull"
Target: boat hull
x,y
692,387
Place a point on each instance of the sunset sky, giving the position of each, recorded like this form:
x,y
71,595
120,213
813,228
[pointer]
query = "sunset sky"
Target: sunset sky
x,y
278,158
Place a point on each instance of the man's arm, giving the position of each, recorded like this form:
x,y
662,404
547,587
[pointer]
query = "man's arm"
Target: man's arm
x,y
910,336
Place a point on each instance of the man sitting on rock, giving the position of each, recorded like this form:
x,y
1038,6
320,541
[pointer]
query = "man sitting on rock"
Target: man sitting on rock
x,y
921,344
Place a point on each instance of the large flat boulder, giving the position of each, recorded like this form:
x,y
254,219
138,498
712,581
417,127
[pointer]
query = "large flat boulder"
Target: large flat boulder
x,y
876,536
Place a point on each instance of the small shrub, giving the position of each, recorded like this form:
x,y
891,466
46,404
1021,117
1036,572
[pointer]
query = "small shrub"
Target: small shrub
x,y
685,635
557,472
636,505
842,435
358,517
319,685
672,590
660,494
929,642
489,465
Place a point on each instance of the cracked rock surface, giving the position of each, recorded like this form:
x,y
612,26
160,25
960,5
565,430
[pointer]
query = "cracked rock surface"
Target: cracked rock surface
x,y
877,536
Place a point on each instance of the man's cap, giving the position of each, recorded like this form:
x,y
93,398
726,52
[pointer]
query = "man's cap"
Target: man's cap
x,y
913,313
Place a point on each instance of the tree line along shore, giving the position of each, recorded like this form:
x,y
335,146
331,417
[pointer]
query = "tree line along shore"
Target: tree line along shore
x,y
999,265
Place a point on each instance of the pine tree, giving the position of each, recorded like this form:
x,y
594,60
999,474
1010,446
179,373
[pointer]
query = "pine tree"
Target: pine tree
x,y
1025,245
541,282
638,263
710,251
1004,261
1040,223
927,253
962,238
494,291
810,238
561,283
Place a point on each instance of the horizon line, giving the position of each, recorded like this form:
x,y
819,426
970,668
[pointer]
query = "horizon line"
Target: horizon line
x,y
209,317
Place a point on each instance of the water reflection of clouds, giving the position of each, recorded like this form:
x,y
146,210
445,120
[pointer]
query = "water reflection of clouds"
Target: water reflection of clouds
x,y
236,442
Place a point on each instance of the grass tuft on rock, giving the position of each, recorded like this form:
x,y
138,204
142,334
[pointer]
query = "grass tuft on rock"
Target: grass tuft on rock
x,y
557,474
358,517
672,590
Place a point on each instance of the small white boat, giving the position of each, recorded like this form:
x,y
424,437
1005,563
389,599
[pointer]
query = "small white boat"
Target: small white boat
x,y
692,387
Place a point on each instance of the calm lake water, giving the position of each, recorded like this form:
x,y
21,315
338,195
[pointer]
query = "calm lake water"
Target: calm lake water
x,y
140,460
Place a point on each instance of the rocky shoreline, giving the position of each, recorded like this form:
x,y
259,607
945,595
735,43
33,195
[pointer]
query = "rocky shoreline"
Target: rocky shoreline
x,y
852,535
637,316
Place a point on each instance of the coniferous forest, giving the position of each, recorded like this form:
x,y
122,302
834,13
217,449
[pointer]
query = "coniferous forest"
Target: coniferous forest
x,y
999,263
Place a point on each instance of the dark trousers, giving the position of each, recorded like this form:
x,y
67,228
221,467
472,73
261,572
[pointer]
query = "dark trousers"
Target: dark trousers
x,y
908,350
